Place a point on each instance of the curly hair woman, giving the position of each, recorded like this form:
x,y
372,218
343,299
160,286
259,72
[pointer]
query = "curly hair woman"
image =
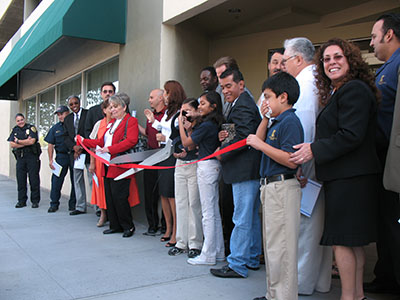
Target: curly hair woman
x,y
345,158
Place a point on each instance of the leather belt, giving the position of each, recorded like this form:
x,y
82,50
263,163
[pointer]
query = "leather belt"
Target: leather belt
x,y
273,178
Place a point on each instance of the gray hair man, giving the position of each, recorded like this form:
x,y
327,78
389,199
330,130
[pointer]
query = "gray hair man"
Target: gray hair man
x,y
314,261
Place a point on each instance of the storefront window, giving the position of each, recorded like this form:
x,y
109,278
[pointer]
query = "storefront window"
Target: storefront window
x,y
31,111
47,107
72,87
96,77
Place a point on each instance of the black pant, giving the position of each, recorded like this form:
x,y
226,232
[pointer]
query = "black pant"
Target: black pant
x,y
64,161
28,165
151,197
118,209
226,207
387,268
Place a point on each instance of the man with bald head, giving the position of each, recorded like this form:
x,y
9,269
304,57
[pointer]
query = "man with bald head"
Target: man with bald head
x,y
151,195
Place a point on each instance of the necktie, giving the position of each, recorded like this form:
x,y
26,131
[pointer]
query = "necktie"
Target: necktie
x,y
76,123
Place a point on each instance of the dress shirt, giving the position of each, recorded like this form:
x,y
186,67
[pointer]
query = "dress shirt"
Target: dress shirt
x,y
307,106
164,126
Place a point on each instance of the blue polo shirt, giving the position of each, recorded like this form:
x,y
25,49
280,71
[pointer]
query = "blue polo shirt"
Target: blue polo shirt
x,y
285,132
206,137
386,82
55,136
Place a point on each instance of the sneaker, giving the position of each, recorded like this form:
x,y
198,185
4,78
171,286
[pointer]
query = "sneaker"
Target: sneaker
x,y
198,260
193,253
174,251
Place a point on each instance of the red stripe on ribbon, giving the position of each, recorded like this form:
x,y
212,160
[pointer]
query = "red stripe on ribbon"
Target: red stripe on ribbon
x,y
229,148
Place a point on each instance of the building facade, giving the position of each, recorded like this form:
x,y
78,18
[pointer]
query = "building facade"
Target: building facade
x,y
69,47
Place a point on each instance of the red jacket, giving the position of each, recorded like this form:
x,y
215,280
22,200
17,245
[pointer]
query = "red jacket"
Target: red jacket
x,y
119,144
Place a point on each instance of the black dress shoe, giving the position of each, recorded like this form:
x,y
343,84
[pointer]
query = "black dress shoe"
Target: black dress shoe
x,y
253,268
76,212
128,232
35,205
260,298
20,204
225,272
150,232
110,231
52,209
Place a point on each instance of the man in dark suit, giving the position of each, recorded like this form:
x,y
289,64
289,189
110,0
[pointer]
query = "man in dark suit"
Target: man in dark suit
x,y
241,169
75,124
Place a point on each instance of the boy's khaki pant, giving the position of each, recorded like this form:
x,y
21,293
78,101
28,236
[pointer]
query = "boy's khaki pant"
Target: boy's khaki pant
x,y
281,221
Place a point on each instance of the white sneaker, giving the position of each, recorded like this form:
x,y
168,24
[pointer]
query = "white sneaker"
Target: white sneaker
x,y
198,260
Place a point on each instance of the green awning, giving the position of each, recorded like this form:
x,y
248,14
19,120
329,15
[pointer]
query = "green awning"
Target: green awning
x,y
101,20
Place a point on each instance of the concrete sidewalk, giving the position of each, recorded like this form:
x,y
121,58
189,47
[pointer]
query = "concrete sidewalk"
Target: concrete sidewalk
x,y
57,256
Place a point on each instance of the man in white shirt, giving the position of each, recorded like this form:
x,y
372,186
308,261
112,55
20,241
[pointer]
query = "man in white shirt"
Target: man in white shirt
x,y
314,261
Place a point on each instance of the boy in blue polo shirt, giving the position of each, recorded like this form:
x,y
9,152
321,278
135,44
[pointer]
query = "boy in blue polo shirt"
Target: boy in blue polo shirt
x,y
280,190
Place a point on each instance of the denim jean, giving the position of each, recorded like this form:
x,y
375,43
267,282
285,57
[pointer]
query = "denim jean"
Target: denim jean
x,y
245,241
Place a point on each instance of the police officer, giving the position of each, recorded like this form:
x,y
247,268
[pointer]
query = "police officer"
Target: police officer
x,y
26,149
55,140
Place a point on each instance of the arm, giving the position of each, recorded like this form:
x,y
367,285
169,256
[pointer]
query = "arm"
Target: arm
x,y
186,140
142,130
15,145
50,152
132,135
280,156
27,142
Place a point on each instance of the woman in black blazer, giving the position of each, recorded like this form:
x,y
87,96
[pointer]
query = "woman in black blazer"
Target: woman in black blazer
x,y
345,158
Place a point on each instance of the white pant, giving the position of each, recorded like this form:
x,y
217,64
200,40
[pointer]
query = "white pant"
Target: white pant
x,y
314,261
189,232
208,173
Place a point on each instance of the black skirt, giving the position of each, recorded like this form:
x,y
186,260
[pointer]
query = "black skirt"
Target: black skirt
x,y
350,211
166,177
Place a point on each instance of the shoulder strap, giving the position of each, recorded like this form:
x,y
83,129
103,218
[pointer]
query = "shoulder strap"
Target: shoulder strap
x,y
126,127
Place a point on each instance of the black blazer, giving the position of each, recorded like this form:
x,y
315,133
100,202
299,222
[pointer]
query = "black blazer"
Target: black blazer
x,y
244,163
345,134
70,130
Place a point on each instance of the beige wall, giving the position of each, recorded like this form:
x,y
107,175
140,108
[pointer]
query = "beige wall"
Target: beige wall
x,y
251,50
184,52
8,109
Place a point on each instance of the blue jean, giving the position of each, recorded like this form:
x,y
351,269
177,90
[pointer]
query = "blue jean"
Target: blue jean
x,y
245,241
57,182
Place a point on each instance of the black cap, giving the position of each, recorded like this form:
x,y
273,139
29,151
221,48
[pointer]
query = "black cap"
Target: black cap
x,y
61,109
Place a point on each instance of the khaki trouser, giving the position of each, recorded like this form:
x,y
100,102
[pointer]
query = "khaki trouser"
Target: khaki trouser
x,y
281,220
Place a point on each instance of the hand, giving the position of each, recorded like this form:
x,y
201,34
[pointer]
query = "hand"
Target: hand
x,y
77,149
149,115
265,108
218,156
181,155
302,155
160,137
222,135
51,165
103,150
186,124
254,141
300,177
92,168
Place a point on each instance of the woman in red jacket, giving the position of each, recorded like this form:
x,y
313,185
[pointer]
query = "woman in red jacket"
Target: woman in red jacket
x,y
118,138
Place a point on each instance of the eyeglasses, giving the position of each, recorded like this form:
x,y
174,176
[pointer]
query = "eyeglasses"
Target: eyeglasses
x,y
73,103
107,91
286,59
327,59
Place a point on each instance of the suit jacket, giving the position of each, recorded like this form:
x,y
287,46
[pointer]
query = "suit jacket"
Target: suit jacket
x,y
94,114
119,144
391,176
244,163
345,135
70,131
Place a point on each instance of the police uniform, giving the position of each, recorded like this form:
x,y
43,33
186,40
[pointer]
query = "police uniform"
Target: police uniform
x,y
55,136
28,163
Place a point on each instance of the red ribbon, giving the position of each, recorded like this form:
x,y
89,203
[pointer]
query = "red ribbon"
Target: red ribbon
x,y
229,148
